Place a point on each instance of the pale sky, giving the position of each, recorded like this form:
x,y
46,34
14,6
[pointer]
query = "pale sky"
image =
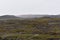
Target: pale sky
x,y
21,7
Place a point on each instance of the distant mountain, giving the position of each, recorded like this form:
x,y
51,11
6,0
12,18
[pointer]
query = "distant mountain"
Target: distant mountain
x,y
8,17
28,16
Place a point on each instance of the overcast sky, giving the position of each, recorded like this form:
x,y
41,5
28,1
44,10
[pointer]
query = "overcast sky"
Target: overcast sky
x,y
20,7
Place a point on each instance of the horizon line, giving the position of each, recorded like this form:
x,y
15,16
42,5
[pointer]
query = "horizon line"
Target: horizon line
x,y
29,14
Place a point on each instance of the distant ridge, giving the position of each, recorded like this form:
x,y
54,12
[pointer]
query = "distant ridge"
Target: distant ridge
x,y
31,16
8,17
28,16
39,16
52,16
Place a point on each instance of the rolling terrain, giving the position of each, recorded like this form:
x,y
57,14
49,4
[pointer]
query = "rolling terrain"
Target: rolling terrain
x,y
41,28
